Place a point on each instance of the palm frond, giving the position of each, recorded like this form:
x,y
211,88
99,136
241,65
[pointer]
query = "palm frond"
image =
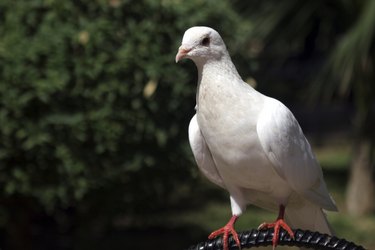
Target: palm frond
x,y
351,60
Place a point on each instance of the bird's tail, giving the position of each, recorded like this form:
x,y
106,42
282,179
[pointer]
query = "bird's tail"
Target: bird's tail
x,y
308,217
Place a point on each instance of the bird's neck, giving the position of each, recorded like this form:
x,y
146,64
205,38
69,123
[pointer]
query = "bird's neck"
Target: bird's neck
x,y
218,72
223,68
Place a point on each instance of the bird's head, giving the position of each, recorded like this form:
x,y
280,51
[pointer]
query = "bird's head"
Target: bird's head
x,y
201,44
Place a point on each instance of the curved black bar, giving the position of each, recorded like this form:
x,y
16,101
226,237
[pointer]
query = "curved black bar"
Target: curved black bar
x,y
255,238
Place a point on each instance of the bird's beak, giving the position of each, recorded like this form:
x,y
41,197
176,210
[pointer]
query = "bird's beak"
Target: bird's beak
x,y
182,52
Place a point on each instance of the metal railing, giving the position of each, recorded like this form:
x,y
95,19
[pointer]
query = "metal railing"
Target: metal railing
x,y
302,238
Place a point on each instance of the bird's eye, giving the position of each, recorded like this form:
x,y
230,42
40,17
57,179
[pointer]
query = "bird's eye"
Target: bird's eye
x,y
205,41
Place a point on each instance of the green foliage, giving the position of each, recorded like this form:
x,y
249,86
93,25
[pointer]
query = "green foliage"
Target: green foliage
x,y
352,59
90,98
352,66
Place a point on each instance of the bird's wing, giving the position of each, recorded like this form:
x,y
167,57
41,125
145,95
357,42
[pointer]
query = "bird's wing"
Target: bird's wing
x,y
290,153
202,153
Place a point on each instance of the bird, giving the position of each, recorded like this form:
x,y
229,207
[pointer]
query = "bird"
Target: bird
x,y
251,145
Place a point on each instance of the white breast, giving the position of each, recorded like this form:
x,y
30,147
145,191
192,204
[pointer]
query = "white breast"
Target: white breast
x,y
223,117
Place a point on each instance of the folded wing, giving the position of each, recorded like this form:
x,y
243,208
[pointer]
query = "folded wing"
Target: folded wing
x,y
202,153
290,153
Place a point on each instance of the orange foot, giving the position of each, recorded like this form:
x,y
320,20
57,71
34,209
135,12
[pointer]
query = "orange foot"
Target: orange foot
x,y
226,231
279,223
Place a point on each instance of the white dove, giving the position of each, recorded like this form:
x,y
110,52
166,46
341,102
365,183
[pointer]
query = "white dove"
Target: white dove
x,y
250,144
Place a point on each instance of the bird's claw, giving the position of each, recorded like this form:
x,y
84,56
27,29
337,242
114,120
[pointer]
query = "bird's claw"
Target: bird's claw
x,y
279,223
226,231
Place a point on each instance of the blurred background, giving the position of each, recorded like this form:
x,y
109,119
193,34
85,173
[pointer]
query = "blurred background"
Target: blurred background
x,y
94,113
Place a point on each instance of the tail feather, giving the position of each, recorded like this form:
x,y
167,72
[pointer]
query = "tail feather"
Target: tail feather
x,y
308,217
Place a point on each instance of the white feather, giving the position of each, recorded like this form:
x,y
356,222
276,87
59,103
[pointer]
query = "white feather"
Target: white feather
x,y
251,144
290,153
202,154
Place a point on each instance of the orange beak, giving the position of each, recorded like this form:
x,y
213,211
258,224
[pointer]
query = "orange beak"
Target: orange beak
x,y
182,52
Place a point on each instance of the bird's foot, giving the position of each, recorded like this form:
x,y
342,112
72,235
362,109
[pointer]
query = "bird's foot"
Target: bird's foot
x,y
279,223
226,231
